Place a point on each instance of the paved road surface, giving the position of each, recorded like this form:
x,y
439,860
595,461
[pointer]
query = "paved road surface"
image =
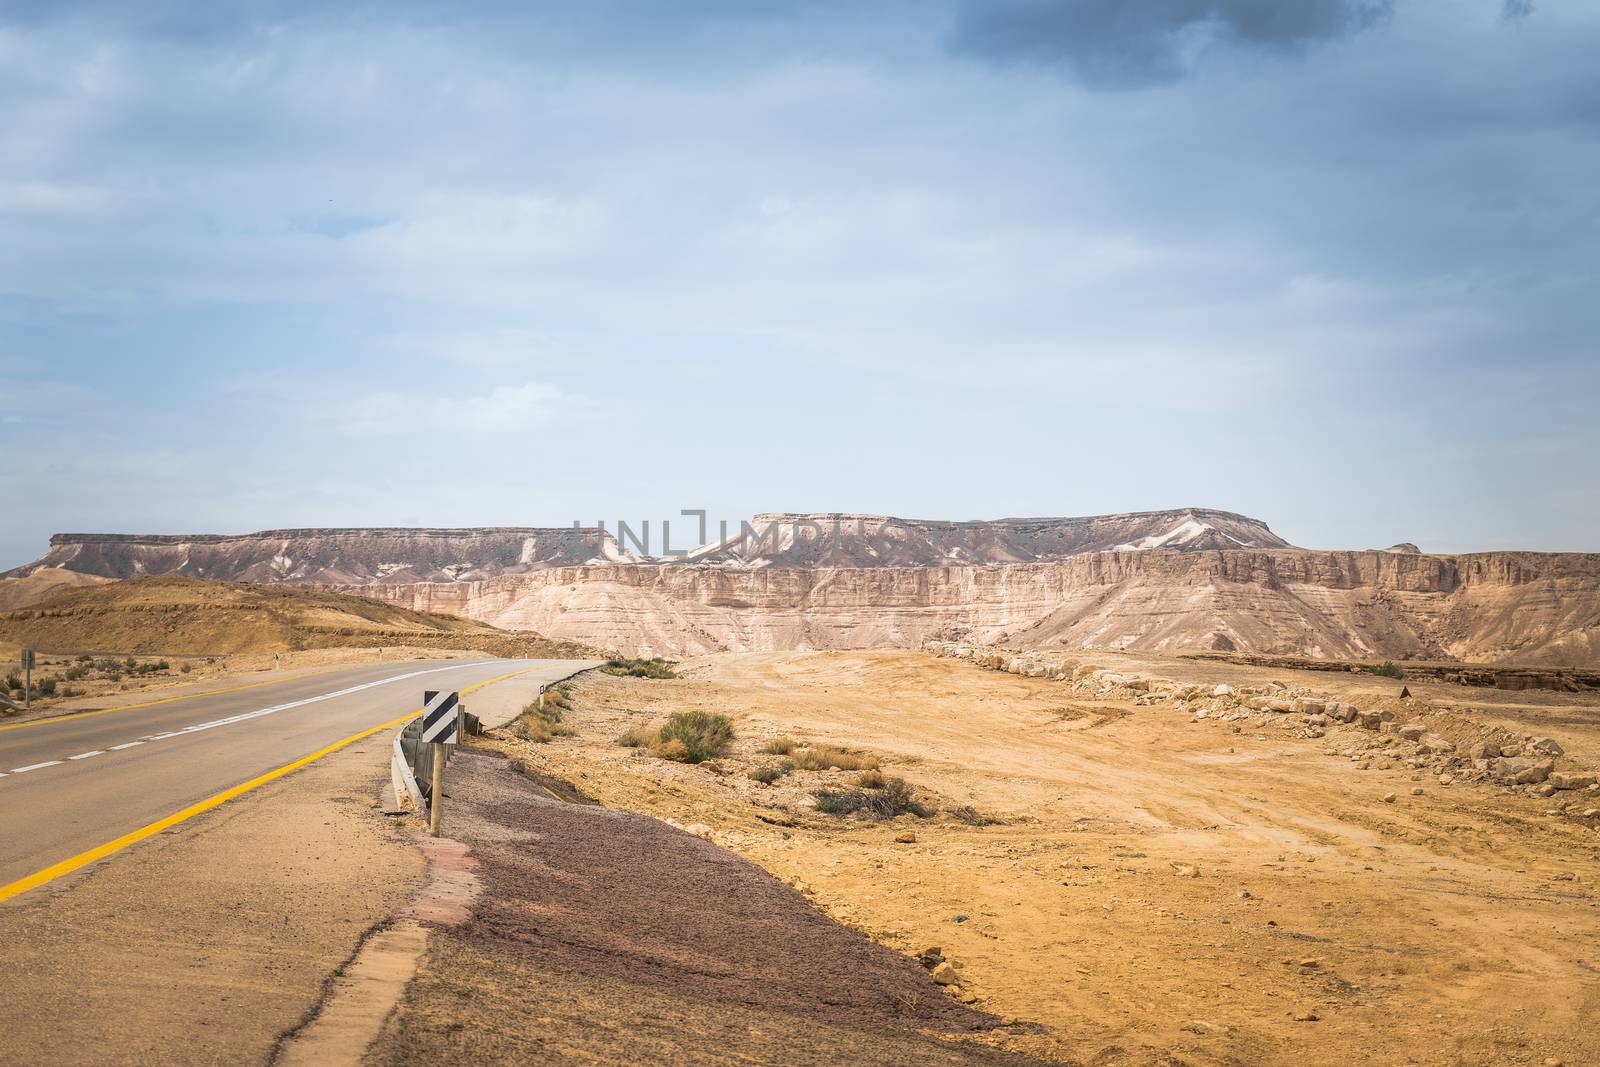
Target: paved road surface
x,y
71,785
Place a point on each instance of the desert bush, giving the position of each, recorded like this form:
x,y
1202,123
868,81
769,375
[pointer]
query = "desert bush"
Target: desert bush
x,y
13,681
828,757
780,746
768,773
703,735
45,687
186,668
655,667
897,797
973,817
674,749
1387,669
639,736
871,780
541,724
72,674
86,658
130,663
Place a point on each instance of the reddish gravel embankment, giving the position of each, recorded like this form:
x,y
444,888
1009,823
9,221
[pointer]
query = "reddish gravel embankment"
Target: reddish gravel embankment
x,y
605,934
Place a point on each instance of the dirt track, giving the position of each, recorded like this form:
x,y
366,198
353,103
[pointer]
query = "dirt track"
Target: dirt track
x,y
1161,888
604,935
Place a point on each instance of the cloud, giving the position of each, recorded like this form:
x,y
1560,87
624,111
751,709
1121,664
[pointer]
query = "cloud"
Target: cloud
x,y
1117,44
505,409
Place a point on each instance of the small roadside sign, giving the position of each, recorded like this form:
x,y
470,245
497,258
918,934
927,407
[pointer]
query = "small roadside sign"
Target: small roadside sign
x,y
27,659
441,718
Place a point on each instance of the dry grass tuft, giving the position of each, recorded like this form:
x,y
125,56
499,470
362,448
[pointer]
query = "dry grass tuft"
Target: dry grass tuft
x,y
829,757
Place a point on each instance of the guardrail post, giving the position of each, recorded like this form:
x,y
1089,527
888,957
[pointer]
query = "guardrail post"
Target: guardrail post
x,y
436,801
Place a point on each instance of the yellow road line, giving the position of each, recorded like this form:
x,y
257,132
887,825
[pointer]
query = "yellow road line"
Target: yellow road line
x,y
82,859
164,700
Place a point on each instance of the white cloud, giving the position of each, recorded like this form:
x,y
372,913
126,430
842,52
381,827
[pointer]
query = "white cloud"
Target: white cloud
x,y
505,409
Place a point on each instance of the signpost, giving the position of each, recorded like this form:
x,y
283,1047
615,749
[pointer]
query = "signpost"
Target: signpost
x,y
441,726
27,679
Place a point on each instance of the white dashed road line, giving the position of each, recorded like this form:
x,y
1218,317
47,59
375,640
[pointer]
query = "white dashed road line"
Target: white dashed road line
x,y
230,720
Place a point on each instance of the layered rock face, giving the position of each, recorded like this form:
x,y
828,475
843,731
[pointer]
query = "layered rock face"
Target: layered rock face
x,y
1489,607
1191,579
326,556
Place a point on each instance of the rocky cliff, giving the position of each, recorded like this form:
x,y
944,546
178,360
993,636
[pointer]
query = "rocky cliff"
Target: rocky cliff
x,y
1488,607
1193,579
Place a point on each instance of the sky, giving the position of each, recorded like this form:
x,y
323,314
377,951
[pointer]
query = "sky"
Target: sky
x,y
1333,264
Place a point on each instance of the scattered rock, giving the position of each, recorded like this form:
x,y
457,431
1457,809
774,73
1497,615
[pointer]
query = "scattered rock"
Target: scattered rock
x,y
906,837
1548,746
945,974
1306,1017
1416,791
1484,750
1571,780
1413,731
1388,798
1184,870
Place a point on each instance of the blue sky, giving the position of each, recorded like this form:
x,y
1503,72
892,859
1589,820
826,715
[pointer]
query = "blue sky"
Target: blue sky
x,y
1333,264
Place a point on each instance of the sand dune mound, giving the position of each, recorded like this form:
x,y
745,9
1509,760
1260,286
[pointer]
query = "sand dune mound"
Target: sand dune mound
x,y
193,615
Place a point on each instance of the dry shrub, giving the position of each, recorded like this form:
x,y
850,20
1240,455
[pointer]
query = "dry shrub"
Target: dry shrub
x,y
700,735
973,817
895,798
640,736
871,780
638,668
780,746
828,757
768,773
542,724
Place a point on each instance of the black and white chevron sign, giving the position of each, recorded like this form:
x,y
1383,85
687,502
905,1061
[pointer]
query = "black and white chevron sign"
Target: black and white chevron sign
x,y
441,717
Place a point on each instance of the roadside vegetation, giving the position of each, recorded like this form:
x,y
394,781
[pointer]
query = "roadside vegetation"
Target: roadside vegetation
x,y
639,668
540,721
686,737
1388,669
59,683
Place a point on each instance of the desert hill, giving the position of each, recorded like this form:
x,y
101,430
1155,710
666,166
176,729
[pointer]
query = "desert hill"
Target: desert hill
x,y
1191,579
192,615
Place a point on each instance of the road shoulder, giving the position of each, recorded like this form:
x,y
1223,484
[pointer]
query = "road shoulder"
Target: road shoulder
x,y
210,940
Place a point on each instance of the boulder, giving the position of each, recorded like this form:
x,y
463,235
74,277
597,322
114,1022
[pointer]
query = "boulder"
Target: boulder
x,y
945,974
1435,743
1571,780
1342,712
1521,771
1484,750
1548,746
1413,731
1369,720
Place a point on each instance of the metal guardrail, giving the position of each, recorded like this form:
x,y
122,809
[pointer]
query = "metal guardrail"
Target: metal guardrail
x,y
413,758
411,767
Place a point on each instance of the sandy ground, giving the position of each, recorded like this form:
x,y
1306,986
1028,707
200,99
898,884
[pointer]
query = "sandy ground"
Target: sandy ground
x,y
1160,890
202,945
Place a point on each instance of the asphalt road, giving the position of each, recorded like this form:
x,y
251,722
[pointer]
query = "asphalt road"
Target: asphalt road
x,y
70,785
